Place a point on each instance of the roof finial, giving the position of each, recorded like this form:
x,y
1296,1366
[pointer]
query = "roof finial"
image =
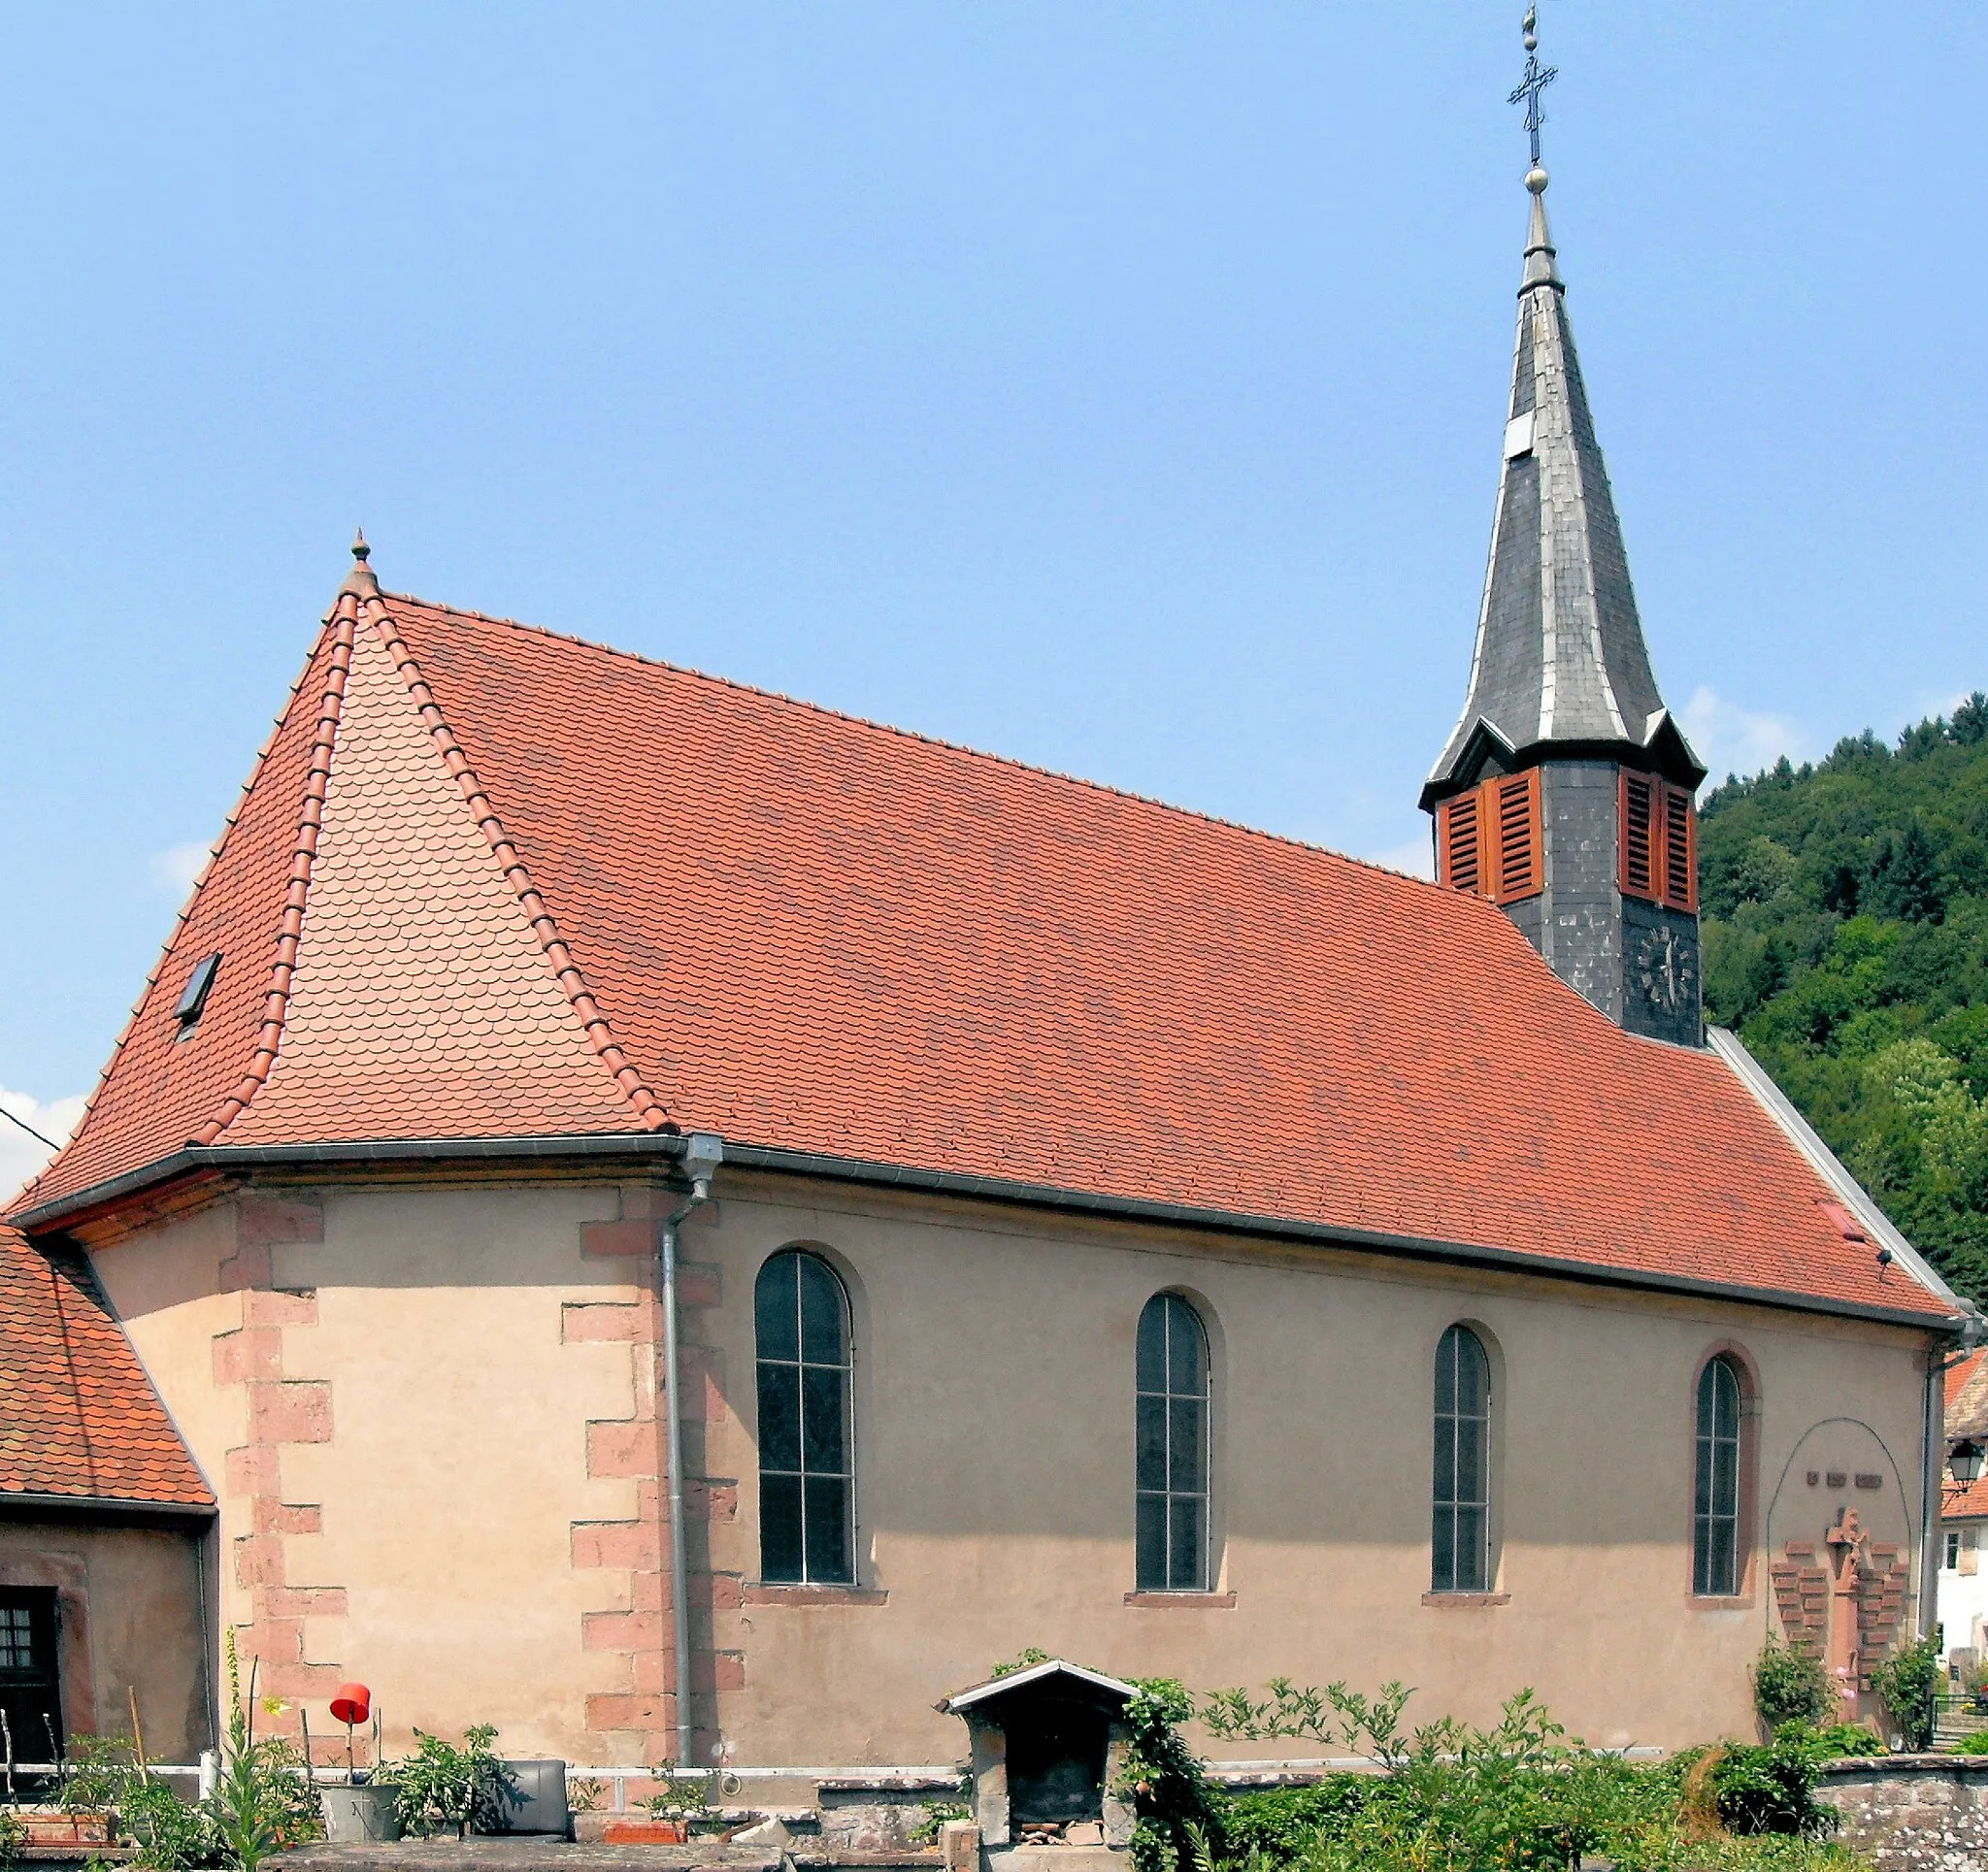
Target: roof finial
x,y
360,581
1530,86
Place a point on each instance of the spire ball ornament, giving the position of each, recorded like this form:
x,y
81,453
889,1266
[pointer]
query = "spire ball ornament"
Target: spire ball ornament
x,y
1536,179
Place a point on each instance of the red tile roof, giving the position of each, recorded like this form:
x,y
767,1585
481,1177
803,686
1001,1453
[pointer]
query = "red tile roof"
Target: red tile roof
x,y
561,888
77,1415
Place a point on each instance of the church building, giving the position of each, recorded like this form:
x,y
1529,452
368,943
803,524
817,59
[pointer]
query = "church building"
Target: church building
x,y
687,1226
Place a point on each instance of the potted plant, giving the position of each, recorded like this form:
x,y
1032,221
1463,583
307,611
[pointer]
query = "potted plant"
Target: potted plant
x,y
443,1786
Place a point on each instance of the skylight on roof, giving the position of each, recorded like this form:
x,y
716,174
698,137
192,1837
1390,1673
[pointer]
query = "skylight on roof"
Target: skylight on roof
x,y
193,996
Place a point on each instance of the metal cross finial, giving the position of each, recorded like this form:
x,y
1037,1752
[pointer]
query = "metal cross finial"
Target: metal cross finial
x,y
1534,82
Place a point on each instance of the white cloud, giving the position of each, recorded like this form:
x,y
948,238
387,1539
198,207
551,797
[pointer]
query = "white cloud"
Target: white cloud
x,y
21,1156
175,869
1416,858
1730,740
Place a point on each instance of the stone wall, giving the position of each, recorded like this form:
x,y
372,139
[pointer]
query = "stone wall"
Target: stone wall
x,y
1912,1812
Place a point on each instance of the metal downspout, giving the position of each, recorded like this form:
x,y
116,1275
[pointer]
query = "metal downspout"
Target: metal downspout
x,y
703,1154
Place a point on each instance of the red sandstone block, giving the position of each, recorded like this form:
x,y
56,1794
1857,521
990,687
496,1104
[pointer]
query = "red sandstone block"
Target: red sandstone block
x,y
313,1680
280,1307
301,1602
251,1471
255,1353
621,1630
262,1219
259,1560
616,1543
649,1592
589,1321
702,1371
295,1411
726,1670
288,1517
598,1240
612,1711
620,1448
700,1283
273,1641
248,1266
710,1500
720,1592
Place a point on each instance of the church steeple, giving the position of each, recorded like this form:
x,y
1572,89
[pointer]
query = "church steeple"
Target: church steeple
x,y
1564,791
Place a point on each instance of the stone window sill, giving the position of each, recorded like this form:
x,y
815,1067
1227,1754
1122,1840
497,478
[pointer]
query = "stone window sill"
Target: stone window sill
x,y
1206,1602
767,1592
1719,1602
1466,1598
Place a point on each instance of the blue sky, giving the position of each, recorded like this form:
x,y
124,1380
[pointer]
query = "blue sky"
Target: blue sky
x,y
1115,387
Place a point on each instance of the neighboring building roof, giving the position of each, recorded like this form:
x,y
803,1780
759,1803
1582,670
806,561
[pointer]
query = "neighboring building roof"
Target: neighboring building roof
x,y
79,1416
490,882
1560,657
1967,1414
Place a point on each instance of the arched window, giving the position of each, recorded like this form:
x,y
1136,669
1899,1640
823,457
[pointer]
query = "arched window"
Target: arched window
x,y
1461,1529
1173,1437
807,1470
1715,1493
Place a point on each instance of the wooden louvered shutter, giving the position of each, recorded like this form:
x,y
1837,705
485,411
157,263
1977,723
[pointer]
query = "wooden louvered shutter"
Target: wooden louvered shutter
x,y
1463,855
1680,850
1521,858
1640,835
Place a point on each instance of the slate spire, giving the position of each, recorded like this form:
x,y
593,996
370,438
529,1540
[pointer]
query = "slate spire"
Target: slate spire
x,y
1565,792
1560,656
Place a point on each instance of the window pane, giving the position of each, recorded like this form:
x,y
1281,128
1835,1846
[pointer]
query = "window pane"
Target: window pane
x,y
779,1417
1183,1572
1470,1549
1724,1481
1725,1559
1151,1575
828,1528
1470,1461
1446,1459
1445,1375
1471,1374
822,1446
772,1305
779,1528
1443,1534
1184,1361
822,1312
1152,1345
1152,1443
1728,1391
1184,1451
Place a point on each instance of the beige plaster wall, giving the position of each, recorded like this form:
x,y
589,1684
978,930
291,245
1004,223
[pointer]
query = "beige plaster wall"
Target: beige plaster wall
x,y
469,1503
129,1622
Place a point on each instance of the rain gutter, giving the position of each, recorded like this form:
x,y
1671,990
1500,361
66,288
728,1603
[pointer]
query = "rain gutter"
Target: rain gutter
x,y
639,1146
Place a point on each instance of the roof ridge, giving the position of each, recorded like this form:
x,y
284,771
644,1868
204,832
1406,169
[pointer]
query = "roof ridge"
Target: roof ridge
x,y
22,1197
282,971
545,927
930,740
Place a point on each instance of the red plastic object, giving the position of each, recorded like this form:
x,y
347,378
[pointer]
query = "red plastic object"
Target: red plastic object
x,y
646,1833
351,1704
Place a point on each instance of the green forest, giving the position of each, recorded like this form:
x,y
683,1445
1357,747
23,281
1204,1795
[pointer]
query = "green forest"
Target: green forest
x,y
1845,909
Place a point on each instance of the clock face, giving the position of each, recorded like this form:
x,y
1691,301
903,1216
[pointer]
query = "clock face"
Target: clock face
x,y
1666,969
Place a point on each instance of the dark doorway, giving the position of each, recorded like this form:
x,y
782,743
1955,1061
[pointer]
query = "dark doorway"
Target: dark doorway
x,y
1056,1745
30,1679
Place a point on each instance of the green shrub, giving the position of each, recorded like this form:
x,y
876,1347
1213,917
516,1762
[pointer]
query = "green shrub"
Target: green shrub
x,y
936,1813
1790,1686
1177,1819
1976,1744
1279,1823
167,1834
443,1786
1908,1681
1771,1788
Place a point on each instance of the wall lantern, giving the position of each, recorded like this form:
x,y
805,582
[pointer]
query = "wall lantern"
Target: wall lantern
x,y
1964,1462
